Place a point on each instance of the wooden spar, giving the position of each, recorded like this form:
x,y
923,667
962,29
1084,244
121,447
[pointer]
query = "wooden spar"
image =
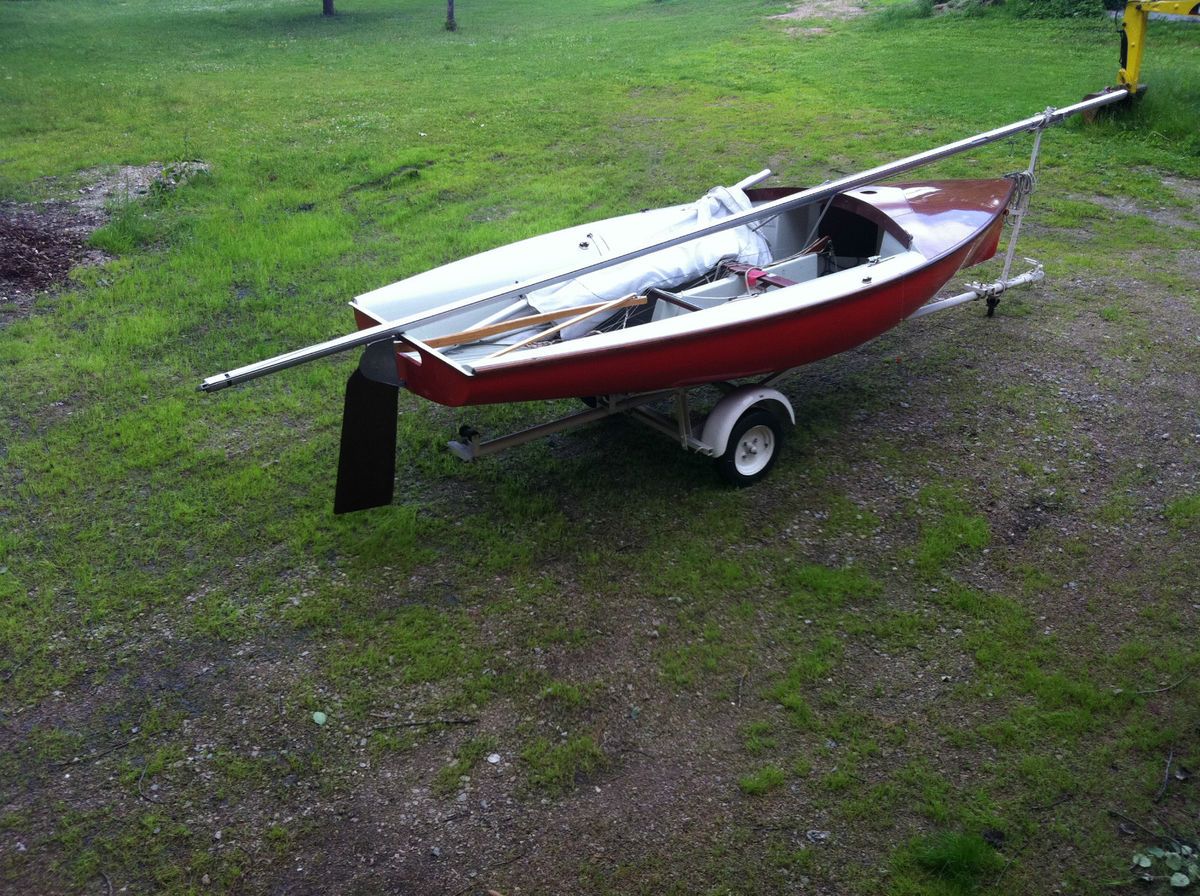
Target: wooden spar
x,y
592,311
394,329
504,312
483,331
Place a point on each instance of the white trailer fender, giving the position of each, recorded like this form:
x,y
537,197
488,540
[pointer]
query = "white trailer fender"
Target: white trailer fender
x,y
728,411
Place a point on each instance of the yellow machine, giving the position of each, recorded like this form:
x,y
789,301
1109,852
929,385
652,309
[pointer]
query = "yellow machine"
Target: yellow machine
x,y
1133,35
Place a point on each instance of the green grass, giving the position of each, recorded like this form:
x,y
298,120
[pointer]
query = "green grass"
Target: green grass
x,y
953,529
555,768
1184,512
756,737
961,861
560,693
921,621
762,781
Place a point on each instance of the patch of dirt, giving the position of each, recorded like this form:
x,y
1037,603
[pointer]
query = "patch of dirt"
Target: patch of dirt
x,y
824,9
1161,215
40,242
956,5
807,32
1185,188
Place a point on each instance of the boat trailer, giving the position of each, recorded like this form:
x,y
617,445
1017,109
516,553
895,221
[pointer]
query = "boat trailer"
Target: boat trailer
x,y
745,429
751,418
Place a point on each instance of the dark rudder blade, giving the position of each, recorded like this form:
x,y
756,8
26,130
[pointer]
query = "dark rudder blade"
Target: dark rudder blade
x,y
367,462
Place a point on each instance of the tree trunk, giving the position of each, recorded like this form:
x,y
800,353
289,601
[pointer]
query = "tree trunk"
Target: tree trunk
x,y
451,25
327,7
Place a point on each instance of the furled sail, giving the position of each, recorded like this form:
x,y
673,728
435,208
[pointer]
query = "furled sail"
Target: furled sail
x,y
663,269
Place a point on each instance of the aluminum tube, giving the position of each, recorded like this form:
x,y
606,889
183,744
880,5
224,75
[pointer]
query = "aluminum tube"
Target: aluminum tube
x,y
970,295
995,289
468,451
753,179
392,329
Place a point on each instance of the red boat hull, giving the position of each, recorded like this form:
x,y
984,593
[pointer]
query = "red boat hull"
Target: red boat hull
x,y
750,348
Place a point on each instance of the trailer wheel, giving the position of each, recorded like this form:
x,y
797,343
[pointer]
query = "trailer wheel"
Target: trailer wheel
x,y
753,447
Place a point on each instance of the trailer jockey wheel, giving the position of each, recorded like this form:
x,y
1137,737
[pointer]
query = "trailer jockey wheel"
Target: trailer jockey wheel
x,y
753,447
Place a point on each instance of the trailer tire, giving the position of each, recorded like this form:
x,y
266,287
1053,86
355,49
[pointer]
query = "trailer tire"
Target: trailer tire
x,y
753,447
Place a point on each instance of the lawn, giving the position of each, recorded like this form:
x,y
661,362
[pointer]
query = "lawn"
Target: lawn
x,y
947,647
